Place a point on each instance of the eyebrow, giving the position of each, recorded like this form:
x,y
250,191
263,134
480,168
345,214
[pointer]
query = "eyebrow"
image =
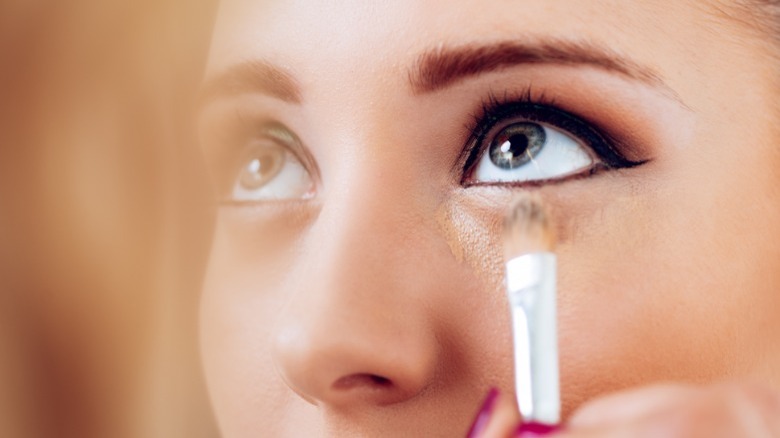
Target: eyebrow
x,y
444,66
254,76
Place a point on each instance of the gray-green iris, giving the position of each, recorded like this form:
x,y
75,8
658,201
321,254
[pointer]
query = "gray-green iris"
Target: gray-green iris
x,y
517,144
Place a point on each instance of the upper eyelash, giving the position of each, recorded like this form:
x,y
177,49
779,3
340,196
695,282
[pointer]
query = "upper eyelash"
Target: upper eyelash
x,y
477,128
489,115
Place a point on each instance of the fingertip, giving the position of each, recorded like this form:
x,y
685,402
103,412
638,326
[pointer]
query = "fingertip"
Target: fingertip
x,y
624,406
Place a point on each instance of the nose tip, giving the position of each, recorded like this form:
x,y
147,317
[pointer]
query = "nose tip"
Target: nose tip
x,y
342,368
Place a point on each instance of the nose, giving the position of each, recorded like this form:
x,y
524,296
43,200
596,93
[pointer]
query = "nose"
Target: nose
x,y
357,328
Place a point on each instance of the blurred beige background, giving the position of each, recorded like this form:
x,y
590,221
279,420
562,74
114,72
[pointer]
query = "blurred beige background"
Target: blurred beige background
x,y
104,219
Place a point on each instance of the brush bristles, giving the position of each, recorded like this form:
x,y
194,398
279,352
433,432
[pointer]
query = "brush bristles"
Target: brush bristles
x,y
527,227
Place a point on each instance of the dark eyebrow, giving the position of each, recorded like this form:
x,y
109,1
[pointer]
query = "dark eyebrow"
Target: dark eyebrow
x,y
250,77
443,66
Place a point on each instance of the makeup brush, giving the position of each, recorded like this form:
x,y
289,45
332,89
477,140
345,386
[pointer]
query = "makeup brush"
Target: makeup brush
x,y
530,280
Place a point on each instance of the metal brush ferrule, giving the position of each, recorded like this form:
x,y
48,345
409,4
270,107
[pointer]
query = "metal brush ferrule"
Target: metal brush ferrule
x,y
531,285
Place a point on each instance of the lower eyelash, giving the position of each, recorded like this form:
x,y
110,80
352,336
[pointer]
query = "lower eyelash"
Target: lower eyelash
x,y
592,171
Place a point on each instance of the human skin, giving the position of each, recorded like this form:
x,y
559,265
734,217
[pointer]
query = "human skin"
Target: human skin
x,y
373,306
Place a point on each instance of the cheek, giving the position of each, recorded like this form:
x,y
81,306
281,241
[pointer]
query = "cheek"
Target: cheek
x,y
240,303
620,323
668,281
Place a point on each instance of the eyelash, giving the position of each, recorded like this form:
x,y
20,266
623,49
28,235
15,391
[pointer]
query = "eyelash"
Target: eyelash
x,y
539,108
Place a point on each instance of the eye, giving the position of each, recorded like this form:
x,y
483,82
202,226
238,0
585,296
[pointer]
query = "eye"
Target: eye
x,y
269,170
527,142
528,151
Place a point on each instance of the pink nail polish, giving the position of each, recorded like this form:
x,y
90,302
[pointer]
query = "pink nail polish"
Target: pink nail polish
x,y
533,430
483,417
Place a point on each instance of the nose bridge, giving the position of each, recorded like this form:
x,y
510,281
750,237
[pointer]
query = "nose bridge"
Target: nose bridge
x,y
372,207
354,329
367,225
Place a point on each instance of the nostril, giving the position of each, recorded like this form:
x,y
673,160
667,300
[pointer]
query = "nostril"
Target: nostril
x,y
367,388
381,381
372,381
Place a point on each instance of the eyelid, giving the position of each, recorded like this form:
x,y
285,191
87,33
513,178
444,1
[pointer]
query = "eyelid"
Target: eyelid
x,y
280,133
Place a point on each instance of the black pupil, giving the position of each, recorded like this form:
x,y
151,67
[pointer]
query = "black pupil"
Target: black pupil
x,y
517,144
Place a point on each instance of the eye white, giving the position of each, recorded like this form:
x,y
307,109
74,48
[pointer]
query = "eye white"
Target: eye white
x,y
560,155
271,172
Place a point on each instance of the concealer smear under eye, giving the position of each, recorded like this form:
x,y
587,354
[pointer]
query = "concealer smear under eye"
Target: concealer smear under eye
x,y
471,221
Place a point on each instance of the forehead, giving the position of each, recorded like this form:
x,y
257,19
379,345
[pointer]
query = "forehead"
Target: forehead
x,y
299,33
329,47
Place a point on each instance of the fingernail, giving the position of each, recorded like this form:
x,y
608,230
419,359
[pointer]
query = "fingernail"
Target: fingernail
x,y
533,430
483,417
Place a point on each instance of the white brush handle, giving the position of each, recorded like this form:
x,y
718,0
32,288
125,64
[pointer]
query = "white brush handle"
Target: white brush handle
x,y
531,287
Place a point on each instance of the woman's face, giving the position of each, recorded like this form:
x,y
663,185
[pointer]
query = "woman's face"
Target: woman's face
x,y
366,153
